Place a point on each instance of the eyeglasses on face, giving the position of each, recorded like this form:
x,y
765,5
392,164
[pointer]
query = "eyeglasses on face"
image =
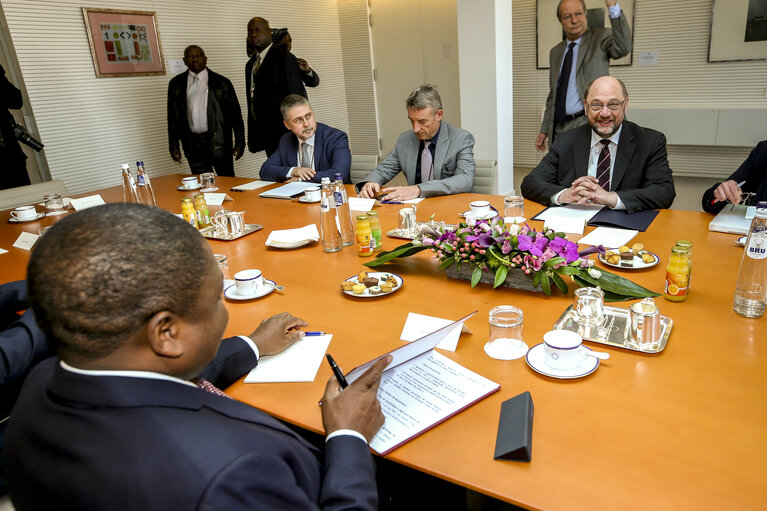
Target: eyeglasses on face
x,y
612,105
568,17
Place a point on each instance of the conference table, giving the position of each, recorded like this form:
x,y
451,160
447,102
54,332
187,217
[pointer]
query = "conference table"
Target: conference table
x,y
682,429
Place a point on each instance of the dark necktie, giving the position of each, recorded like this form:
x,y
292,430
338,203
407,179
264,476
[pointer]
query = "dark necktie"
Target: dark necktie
x,y
254,72
209,387
603,165
564,79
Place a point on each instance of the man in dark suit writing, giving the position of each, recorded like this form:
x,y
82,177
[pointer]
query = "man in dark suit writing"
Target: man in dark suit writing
x,y
271,74
119,421
610,161
310,151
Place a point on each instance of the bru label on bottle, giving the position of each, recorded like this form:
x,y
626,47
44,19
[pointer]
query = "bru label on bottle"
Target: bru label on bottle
x,y
757,246
141,180
339,198
324,205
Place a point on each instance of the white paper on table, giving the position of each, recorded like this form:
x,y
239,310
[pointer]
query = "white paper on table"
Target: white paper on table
x,y
608,236
290,236
418,325
87,202
413,201
3,251
299,362
288,190
26,240
750,212
360,204
565,224
585,211
253,185
216,199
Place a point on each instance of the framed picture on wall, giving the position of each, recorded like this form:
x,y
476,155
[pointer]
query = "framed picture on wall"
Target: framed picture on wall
x,y
738,30
549,30
124,43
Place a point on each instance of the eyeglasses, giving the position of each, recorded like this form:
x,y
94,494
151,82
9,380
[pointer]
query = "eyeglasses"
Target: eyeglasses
x,y
568,17
612,105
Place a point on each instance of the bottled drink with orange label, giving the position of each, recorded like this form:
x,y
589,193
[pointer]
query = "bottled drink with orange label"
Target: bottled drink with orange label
x,y
187,211
687,245
677,275
364,237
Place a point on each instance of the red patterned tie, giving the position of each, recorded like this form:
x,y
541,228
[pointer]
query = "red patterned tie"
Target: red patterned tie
x,y
603,166
209,387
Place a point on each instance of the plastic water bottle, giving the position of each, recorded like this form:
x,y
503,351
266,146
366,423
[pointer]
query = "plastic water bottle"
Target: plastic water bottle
x,y
331,237
129,185
342,209
751,289
144,186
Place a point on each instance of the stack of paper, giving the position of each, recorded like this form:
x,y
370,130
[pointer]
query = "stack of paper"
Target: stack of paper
x,y
290,238
252,185
288,191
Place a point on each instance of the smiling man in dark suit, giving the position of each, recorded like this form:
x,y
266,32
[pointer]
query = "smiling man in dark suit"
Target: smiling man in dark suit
x,y
610,161
127,416
271,75
311,150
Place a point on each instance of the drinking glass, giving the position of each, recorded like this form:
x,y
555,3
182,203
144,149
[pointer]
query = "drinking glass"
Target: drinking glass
x,y
505,322
53,202
513,206
208,181
223,265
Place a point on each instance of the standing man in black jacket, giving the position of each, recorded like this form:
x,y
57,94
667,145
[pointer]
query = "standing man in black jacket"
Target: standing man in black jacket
x,y
271,75
202,113
14,167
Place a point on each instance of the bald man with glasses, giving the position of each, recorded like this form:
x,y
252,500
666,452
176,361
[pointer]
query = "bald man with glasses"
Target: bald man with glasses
x,y
609,161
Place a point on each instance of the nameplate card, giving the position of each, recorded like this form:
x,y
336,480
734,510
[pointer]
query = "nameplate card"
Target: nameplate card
x,y
87,202
26,240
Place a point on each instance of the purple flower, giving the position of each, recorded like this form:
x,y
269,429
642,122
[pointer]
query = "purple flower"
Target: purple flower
x,y
506,247
592,250
534,263
525,242
486,240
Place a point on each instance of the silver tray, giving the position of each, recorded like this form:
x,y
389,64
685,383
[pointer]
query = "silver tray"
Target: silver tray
x,y
398,233
210,232
614,329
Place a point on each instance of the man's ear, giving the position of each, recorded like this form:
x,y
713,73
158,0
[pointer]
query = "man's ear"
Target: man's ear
x,y
286,125
163,334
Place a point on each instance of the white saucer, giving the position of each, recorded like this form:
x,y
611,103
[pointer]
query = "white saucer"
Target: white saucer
x,y
232,294
183,189
294,244
535,361
506,349
307,201
15,220
487,216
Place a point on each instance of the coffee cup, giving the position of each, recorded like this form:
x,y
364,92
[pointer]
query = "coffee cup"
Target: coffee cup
x,y
248,282
312,194
24,213
563,349
190,183
480,208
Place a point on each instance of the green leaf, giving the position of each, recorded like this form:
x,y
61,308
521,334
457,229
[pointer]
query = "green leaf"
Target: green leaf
x,y
405,250
561,285
446,263
617,285
553,262
545,283
476,275
494,252
500,275
537,278
567,270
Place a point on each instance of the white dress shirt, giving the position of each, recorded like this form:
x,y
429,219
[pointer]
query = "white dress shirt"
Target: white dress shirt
x,y
252,81
197,101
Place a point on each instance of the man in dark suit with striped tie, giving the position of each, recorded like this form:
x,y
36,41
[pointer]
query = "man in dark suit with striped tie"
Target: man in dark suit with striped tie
x,y
610,161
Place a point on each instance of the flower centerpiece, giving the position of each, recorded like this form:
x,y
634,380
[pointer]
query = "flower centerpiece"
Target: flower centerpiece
x,y
495,251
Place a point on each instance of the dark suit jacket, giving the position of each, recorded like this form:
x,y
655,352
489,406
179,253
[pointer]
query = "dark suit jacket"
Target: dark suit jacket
x,y
597,47
641,175
331,155
224,114
753,171
278,77
109,442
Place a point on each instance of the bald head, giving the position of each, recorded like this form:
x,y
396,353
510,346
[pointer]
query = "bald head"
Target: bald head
x,y
259,34
195,59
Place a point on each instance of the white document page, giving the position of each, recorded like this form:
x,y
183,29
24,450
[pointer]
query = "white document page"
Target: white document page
x,y
584,211
423,392
418,325
300,362
413,201
610,237
288,190
26,240
360,204
565,224
3,251
253,185
87,202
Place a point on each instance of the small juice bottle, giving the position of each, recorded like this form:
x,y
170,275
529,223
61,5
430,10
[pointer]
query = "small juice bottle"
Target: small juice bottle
x,y
687,245
677,275
187,211
201,211
364,237
375,229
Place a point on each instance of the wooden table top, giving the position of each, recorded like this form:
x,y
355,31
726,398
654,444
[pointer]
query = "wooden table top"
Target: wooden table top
x,y
682,429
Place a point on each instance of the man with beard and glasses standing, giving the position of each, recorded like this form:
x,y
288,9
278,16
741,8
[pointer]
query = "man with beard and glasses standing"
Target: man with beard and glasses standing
x,y
611,161
310,151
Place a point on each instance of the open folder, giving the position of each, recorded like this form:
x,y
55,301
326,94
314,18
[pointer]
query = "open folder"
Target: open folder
x,y
421,388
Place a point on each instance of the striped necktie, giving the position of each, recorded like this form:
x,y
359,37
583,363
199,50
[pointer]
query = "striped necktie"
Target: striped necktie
x,y
427,163
603,165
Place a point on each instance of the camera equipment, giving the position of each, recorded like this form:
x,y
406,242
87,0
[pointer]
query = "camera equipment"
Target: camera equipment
x,y
23,136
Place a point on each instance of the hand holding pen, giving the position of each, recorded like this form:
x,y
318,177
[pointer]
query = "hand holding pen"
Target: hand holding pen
x,y
728,191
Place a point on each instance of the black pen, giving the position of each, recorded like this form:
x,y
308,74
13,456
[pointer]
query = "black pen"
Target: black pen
x,y
337,372
390,202
236,190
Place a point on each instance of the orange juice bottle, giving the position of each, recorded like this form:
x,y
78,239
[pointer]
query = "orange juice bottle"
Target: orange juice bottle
x,y
364,237
677,275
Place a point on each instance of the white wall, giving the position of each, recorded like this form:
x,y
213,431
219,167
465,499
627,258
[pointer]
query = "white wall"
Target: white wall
x,y
90,126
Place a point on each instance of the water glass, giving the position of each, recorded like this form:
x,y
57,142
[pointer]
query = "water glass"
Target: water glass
x,y
208,181
513,206
53,202
505,322
223,265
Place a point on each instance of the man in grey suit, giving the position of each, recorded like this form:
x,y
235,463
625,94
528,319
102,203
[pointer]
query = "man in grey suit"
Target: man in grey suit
x,y
436,157
587,57
611,161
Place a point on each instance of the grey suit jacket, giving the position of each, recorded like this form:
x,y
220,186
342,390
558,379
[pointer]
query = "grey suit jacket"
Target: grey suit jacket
x,y
641,175
453,162
598,46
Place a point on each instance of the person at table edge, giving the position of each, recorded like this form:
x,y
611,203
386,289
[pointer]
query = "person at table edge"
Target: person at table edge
x,y
311,150
753,171
114,422
610,161
436,157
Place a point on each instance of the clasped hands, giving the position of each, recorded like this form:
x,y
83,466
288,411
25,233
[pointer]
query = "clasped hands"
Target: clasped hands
x,y
370,190
586,190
